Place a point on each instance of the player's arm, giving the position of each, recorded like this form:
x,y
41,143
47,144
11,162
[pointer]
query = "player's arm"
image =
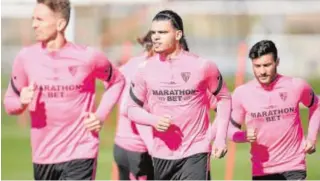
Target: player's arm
x,y
310,100
18,81
137,97
218,88
212,102
113,81
213,106
146,134
237,118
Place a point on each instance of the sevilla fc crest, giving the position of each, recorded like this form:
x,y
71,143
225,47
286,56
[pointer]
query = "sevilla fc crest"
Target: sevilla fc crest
x,y
72,70
283,96
185,76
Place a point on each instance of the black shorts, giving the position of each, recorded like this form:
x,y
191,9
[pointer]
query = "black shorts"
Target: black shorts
x,y
289,175
80,169
195,167
134,163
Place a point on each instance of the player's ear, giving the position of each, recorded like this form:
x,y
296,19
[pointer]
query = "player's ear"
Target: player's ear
x,y
178,35
61,25
277,61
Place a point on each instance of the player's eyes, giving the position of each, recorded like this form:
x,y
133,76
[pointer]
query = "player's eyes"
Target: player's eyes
x,y
267,65
36,18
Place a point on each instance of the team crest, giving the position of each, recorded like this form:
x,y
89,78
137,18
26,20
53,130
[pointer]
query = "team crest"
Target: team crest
x,y
283,96
72,70
185,76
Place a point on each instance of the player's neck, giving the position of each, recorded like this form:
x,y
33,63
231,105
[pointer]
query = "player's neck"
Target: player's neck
x,y
171,55
55,44
272,82
148,54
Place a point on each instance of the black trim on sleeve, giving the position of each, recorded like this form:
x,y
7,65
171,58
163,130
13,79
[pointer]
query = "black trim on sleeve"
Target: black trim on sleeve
x,y
234,123
14,88
110,70
215,93
135,99
312,100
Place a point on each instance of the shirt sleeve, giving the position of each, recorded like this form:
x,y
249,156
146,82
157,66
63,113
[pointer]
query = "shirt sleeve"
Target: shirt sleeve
x,y
18,80
310,100
105,71
137,97
212,102
307,95
237,118
218,88
113,81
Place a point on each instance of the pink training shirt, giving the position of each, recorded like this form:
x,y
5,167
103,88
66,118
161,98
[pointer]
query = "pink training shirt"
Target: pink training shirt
x,y
129,135
65,89
178,88
274,112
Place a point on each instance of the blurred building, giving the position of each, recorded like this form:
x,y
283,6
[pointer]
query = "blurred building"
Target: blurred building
x,y
214,29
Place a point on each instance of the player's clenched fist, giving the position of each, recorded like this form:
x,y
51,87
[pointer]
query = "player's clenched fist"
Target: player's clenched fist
x,y
251,135
309,147
27,94
91,122
218,153
163,124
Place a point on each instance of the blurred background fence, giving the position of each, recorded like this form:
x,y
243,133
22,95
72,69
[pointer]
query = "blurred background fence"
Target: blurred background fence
x,y
214,29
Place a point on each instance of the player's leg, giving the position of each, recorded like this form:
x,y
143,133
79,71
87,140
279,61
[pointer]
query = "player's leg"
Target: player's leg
x,y
121,158
164,169
124,173
80,169
295,175
196,167
141,166
46,172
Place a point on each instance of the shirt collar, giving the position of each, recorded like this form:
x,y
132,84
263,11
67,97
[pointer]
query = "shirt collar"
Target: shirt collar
x,y
271,85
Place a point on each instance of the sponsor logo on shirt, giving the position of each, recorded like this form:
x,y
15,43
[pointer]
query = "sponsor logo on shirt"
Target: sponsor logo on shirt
x,y
58,91
174,94
275,114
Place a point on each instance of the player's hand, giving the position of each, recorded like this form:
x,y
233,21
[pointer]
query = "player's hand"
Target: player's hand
x,y
251,135
218,153
309,147
92,123
163,124
27,94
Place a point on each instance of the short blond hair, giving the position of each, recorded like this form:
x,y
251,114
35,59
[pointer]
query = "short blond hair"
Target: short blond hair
x,y
58,6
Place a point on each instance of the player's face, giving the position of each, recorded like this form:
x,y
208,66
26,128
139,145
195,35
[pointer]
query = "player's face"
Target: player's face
x,y
265,68
164,36
44,23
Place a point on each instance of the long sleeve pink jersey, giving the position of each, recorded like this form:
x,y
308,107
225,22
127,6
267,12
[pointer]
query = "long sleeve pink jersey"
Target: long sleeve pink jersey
x,y
178,88
65,89
129,135
274,112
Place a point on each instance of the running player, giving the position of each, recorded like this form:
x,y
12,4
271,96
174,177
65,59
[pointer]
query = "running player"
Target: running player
x,y
174,85
55,80
132,140
269,107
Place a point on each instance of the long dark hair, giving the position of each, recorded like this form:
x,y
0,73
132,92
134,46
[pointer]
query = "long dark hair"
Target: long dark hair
x,y
177,23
